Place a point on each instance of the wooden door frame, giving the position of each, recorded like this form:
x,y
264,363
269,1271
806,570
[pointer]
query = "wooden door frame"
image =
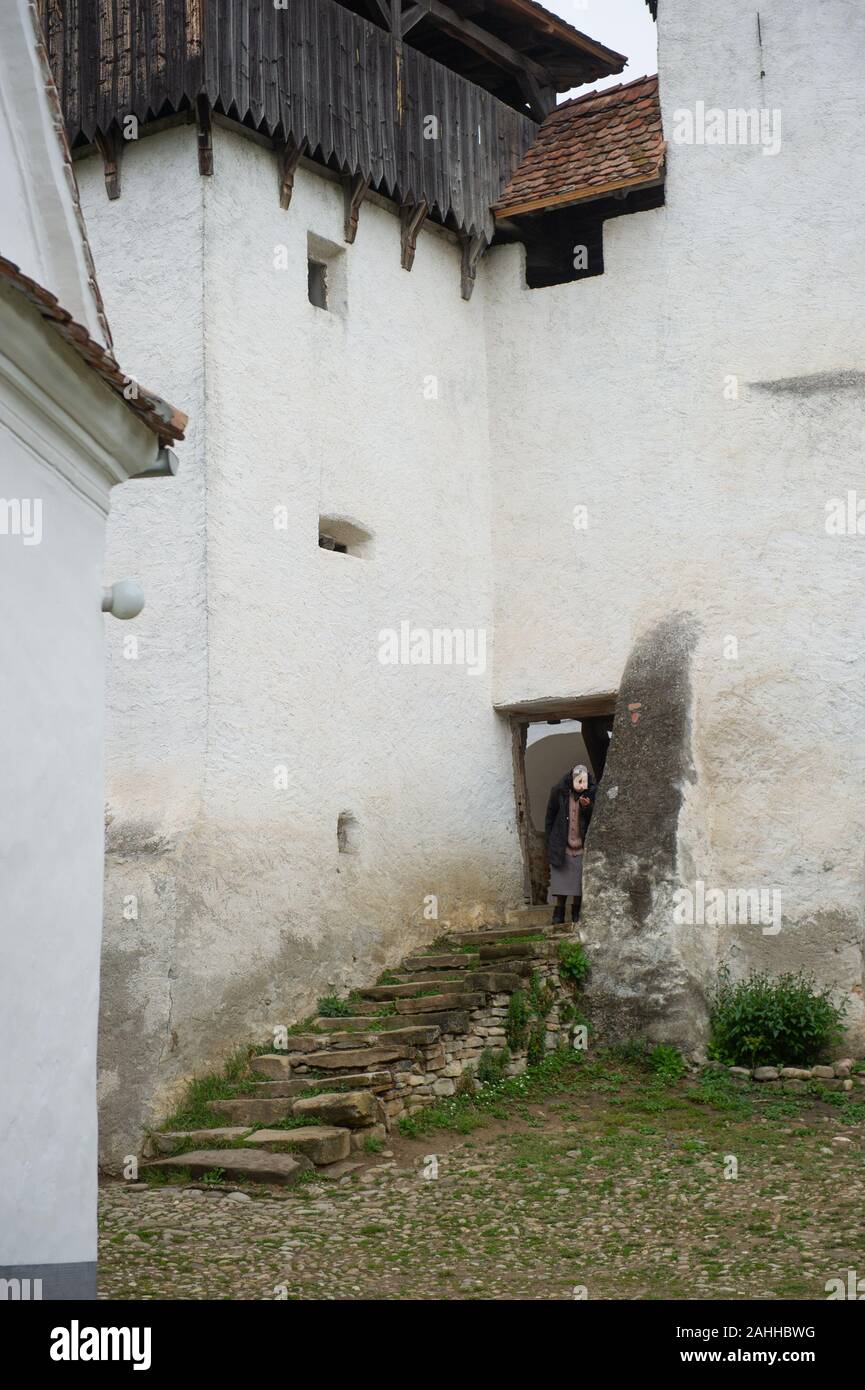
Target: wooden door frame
x,y
519,717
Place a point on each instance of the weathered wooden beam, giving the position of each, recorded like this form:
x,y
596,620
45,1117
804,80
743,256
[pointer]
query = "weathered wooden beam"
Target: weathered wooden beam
x,y
412,217
488,45
411,17
540,96
473,248
205,135
110,146
383,9
288,158
354,189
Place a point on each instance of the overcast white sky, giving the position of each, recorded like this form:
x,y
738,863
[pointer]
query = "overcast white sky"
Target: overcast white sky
x,y
624,25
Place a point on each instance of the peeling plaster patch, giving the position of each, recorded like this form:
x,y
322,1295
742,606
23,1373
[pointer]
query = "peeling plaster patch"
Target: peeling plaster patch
x,y
813,383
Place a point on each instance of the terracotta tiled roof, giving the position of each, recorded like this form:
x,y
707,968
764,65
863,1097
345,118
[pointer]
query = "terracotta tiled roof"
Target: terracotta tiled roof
x,y
590,146
165,422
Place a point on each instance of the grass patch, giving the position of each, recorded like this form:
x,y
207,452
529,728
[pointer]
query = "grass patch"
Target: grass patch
x,y
463,1113
194,1111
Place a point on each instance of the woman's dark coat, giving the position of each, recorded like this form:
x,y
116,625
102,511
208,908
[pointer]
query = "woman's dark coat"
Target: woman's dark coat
x,y
556,826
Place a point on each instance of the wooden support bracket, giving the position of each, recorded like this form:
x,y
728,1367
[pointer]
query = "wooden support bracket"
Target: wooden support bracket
x,y
110,146
541,96
473,248
205,135
289,155
411,217
354,189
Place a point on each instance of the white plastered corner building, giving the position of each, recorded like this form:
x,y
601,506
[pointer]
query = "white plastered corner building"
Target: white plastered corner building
x,y
68,434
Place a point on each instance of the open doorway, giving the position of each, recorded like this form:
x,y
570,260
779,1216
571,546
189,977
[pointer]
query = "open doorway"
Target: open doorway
x,y
547,741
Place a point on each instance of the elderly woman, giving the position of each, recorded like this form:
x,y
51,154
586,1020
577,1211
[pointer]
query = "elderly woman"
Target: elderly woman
x,y
569,811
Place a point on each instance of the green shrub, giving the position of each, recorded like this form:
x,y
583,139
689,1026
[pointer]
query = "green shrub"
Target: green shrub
x,y
541,997
492,1066
667,1063
517,1021
331,1006
785,1020
536,1049
573,963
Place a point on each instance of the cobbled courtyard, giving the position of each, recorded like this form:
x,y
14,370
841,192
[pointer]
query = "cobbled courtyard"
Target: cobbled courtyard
x,y
596,1181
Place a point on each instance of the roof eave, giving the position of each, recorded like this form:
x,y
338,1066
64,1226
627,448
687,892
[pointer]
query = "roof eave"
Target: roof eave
x,y
589,194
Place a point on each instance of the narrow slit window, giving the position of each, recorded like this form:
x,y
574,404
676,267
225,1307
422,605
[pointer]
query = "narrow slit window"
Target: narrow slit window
x,y
317,283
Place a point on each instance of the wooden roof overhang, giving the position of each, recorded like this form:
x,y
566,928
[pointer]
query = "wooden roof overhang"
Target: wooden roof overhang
x,y
516,49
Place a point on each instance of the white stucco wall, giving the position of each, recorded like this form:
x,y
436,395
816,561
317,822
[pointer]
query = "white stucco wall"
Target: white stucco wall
x,y
63,436
609,393
265,647
706,522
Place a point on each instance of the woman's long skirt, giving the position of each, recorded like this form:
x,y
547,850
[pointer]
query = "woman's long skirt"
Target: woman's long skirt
x,y
567,882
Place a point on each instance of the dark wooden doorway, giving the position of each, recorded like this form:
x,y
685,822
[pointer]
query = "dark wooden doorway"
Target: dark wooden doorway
x,y
596,720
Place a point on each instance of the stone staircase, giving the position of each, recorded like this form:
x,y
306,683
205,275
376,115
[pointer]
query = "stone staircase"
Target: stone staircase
x,y
348,1078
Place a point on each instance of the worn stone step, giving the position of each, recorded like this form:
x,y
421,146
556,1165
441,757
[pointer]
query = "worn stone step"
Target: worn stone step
x,y
452,1021
539,914
350,1109
381,1080
452,962
493,937
270,1063
435,981
334,1171
273,1066
437,1003
357,1023
348,1023
165,1142
375,1080
382,1037
414,1030
254,1110
513,951
367,1006
348,1060
266,1089
385,993
240,1164
495,981
321,1143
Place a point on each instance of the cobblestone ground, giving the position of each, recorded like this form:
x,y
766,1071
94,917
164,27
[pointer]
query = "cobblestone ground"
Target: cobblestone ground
x,y
614,1185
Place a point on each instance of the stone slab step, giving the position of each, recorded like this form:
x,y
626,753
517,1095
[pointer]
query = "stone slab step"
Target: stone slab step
x,y
375,1080
350,1109
436,1003
275,1066
513,951
539,914
171,1138
321,1143
348,1060
492,938
455,962
453,1021
414,1030
385,993
238,1164
438,981
282,1088
495,981
334,1171
254,1110
355,1023
348,1023
393,1029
